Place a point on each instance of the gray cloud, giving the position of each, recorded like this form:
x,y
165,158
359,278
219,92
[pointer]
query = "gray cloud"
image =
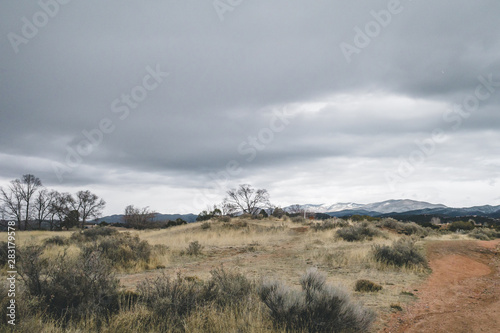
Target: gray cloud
x,y
225,80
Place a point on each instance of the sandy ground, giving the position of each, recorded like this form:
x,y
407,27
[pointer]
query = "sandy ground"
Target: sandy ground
x,y
461,295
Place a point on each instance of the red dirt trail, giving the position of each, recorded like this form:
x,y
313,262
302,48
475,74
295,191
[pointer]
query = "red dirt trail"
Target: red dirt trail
x,y
462,294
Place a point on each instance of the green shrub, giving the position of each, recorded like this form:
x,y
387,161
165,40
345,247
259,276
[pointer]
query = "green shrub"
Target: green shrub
x,y
396,307
358,232
367,286
402,252
359,218
461,225
484,234
205,225
316,308
406,228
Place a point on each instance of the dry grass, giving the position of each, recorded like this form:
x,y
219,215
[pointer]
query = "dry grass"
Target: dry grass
x,y
37,237
268,248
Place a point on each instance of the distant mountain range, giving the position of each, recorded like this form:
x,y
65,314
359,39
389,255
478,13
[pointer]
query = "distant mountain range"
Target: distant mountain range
x,y
398,207
393,208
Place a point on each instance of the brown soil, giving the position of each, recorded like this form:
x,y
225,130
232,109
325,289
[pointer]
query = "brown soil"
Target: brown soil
x,y
461,295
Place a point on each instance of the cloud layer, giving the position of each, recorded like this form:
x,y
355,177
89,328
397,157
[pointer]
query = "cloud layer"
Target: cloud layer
x,y
265,96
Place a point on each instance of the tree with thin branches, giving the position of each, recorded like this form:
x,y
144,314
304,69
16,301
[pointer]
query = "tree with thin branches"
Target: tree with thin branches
x,y
60,207
29,185
88,205
43,204
13,201
246,199
138,218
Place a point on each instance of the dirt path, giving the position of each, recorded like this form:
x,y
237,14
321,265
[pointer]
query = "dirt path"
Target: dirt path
x,y
461,295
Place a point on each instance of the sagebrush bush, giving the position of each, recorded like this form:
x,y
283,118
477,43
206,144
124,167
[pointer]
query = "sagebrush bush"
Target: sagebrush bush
x,y
330,224
172,299
175,299
358,232
205,225
461,225
318,307
194,248
69,288
402,252
406,228
93,234
298,219
56,240
122,249
367,286
227,287
225,218
484,234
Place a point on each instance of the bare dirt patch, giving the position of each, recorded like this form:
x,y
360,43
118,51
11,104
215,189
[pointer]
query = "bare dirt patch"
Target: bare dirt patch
x,y
461,295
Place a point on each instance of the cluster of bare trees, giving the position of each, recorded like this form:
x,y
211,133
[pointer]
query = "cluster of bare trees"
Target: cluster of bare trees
x,y
138,218
30,204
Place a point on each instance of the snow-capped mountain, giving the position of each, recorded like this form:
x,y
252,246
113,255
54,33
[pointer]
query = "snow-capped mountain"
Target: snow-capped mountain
x,y
396,207
324,208
389,206
399,206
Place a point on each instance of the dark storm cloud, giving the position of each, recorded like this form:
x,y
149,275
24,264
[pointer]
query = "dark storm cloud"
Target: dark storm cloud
x,y
226,78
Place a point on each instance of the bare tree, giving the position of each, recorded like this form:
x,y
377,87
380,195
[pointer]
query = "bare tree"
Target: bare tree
x,y
296,209
138,218
29,185
61,206
246,199
88,205
43,204
13,201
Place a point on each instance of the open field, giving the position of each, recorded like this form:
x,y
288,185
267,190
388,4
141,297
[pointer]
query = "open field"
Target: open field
x,y
261,250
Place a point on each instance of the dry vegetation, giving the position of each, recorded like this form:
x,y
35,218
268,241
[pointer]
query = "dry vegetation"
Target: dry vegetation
x,y
215,276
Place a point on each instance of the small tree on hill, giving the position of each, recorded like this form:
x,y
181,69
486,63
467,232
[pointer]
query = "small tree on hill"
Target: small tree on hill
x,y
88,205
246,199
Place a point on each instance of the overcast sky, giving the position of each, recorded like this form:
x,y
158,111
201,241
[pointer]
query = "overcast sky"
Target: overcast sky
x,y
168,104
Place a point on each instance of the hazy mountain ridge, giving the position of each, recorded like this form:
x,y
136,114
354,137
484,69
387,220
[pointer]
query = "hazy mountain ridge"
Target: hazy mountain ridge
x,y
405,206
383,208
